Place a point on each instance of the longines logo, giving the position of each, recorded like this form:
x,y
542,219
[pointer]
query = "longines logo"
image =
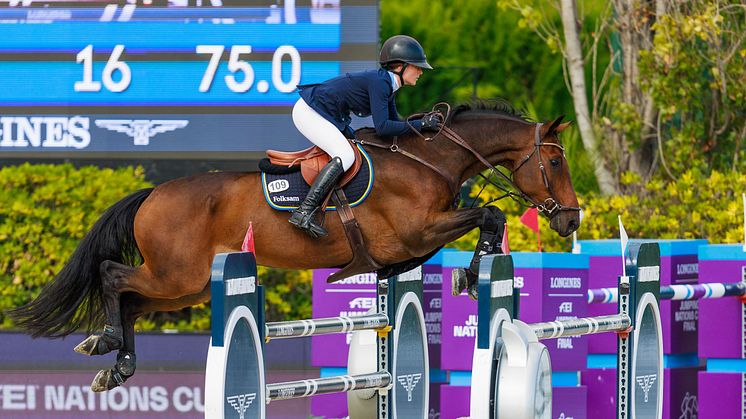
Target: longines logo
x,y
646,383
241,402
141,130
74,131
409,382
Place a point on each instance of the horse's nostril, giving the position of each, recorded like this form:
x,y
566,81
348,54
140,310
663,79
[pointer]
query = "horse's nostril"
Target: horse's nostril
x,y
573,225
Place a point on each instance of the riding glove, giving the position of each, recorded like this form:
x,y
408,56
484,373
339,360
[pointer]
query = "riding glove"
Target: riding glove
x,y
431,122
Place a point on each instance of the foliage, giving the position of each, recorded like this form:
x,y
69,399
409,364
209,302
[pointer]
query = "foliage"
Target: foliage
x,y
45,210
693,206
696,73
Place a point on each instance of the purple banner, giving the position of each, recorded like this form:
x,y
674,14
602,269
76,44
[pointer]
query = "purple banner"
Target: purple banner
x,y
602,273
570,402
721,338
459,328
550,294
678,318
432,306
454,402
352,296
679,398
719,395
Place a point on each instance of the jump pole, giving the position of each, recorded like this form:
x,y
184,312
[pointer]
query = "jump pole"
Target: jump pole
x,y
235,378
511,373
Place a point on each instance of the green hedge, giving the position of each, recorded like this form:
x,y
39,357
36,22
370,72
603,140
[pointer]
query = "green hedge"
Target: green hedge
x,y
44,212
46,209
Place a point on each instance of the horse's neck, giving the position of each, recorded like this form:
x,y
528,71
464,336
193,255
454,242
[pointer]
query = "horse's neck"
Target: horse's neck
x,y
495,139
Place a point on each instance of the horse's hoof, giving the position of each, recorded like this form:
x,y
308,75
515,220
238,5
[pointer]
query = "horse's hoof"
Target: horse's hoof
x,y
103,381
89,346
458,281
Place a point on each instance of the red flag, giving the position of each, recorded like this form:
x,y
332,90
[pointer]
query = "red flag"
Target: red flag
x,y
530,219
505,246
248,240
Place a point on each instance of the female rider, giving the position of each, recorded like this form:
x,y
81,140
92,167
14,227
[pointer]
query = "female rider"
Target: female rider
x,y
322,115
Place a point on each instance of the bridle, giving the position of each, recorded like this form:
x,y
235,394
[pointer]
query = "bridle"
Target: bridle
x,y
549,207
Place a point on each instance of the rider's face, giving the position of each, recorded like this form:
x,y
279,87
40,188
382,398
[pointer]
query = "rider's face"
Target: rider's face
x,y
411,74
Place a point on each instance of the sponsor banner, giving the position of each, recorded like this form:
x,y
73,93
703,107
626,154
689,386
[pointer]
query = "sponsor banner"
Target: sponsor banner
x,y
721,320
66,394
350,297
551,294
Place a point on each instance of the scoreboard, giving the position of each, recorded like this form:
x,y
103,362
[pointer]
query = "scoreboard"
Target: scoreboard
x,y
168,79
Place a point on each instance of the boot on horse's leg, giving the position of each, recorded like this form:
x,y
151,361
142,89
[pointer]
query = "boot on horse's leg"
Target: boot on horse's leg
x,y
490,239
303,216
123,369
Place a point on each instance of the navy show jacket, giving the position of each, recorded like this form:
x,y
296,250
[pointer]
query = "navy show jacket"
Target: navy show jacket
x,y
364,93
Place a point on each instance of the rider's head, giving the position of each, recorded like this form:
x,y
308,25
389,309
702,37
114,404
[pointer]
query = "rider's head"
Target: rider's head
x,y
405,57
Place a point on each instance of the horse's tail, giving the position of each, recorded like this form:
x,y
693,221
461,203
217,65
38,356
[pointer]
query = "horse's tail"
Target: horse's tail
x,y
73,299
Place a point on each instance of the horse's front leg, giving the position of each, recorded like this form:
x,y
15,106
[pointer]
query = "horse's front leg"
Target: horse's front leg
x,y
491,232
452,225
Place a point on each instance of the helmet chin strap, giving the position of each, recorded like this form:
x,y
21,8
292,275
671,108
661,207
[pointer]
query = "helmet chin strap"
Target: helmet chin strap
x,y
400,73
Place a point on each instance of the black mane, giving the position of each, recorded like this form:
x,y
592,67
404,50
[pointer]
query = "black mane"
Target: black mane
x,y
497,106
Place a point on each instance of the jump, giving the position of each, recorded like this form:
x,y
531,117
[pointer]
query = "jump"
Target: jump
x,y
152,251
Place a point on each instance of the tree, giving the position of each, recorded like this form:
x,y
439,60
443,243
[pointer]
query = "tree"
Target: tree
x,y
646,105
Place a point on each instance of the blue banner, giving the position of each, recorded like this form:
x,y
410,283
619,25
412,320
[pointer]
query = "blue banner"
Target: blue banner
x,y
177,36
33,83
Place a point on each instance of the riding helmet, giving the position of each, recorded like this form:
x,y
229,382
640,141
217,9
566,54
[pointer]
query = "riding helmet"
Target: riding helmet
x,y
403,48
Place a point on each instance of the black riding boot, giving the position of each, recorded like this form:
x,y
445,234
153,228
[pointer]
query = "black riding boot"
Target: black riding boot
x,y
303,216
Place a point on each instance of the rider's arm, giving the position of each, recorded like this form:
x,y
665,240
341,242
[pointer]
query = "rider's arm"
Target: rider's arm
x,y
385,119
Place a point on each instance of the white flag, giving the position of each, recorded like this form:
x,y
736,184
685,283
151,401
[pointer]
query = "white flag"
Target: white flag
x,y
623,239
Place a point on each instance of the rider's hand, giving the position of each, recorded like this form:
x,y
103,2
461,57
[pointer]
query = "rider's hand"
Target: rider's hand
x,y
431,122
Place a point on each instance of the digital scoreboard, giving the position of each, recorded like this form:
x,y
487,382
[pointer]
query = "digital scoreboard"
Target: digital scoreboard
x,y
171,79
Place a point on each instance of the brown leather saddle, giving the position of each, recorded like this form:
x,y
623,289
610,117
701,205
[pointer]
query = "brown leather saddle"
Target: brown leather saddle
x,y
312,160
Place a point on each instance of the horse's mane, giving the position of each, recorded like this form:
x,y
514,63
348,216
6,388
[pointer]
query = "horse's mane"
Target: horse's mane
x,y
497,106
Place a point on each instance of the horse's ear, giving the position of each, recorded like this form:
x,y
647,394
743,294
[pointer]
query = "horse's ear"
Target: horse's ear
x,y
557,126
562,127
553,126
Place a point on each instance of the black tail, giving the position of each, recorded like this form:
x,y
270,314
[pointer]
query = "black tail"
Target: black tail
x,y
74,298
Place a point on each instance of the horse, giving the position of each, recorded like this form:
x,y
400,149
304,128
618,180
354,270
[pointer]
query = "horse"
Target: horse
x,y
152,250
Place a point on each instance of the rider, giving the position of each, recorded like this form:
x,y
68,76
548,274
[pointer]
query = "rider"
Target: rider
x,y
322,115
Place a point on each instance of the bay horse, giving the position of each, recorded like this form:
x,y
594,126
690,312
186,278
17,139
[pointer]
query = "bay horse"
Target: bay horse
x,y
152,250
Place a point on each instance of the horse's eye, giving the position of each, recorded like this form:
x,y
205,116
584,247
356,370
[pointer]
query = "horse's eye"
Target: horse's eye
x,y
554,162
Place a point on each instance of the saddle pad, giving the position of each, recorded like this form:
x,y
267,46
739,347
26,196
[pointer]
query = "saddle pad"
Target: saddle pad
x,y
285,191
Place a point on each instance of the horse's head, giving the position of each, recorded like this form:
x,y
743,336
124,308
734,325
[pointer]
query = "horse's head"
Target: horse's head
x,y
543,175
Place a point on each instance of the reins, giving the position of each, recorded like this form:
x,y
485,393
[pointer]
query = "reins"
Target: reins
x,y
549,207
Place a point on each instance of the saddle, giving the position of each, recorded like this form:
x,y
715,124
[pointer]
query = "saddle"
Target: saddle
x,y
311,161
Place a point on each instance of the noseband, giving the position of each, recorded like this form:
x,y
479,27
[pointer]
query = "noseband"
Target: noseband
x,y
550,206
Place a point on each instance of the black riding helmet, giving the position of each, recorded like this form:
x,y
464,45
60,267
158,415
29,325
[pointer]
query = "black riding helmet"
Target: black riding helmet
x,y
403,49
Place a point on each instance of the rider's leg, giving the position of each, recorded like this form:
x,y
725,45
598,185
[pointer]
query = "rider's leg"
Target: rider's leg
x,y
325,135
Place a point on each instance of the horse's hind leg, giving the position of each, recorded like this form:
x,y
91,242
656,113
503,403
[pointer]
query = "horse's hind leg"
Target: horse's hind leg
x,y
113,279
134,306
131,309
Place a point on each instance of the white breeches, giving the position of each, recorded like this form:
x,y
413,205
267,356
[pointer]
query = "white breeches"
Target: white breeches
x,y
322,133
